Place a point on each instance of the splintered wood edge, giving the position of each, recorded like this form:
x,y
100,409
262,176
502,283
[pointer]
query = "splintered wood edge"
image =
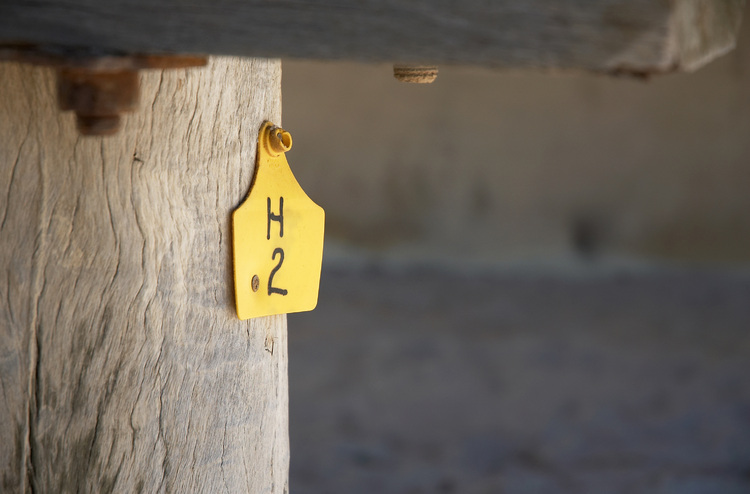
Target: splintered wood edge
x,y
704,30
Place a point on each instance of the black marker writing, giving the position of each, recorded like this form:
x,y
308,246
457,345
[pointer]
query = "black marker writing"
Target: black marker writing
x,y
276,217
271,288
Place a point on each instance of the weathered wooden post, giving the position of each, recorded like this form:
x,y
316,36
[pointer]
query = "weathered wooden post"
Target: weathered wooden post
x,y
123,365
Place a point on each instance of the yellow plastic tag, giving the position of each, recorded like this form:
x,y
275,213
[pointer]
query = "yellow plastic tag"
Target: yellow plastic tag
x,y
278,236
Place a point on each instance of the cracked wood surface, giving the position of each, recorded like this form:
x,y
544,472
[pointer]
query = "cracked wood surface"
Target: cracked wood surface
x,y
632,36
123,366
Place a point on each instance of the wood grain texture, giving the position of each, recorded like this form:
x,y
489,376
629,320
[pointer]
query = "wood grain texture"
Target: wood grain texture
x,y
641,36
123,366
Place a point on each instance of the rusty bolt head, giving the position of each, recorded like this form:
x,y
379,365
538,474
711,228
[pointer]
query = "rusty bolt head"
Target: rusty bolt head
x,y
97,87
255,283
97,97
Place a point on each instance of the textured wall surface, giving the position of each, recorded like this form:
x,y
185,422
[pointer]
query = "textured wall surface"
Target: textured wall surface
x,y
507,166
617,380
424,382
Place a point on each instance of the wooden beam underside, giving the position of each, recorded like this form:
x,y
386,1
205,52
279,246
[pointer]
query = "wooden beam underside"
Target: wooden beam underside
x,y
636,36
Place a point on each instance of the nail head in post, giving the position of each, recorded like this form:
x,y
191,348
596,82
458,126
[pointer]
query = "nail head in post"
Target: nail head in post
x,y
415,74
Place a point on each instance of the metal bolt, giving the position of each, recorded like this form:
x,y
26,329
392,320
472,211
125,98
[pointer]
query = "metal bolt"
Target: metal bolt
x,y
416,74
97,87
97,97
255,284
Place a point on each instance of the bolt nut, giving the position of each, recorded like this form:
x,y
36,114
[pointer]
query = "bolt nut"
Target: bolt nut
x,y
97,87
97,97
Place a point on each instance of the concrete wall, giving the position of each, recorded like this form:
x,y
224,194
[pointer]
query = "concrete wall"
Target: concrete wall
x,y
498,166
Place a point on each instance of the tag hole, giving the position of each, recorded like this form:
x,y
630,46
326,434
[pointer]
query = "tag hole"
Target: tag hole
x,y
255,284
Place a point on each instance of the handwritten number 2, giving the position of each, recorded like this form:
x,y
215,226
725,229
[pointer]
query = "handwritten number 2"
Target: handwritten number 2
x,y
278,251
271,288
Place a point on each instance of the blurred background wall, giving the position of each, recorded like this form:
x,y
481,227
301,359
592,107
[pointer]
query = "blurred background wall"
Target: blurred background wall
x,y
502,167
450,354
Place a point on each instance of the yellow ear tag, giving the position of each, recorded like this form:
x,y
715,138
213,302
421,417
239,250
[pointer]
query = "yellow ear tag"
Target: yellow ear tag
x,y
278,236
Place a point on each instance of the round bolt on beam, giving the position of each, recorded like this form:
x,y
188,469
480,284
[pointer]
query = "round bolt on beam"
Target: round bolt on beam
x,y
416,74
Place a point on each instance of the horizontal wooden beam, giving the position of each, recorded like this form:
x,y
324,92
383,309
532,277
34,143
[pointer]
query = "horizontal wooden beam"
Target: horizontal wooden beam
x,y
632,36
